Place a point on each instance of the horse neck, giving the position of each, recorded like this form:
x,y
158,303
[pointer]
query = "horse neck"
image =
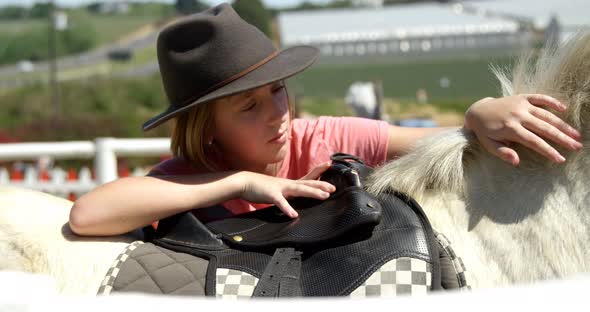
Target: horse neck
x,y
509,195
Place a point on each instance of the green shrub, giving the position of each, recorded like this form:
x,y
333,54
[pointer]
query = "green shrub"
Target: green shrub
x,y
33,44
94,108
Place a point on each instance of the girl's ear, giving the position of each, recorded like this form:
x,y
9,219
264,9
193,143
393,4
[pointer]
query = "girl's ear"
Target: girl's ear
x,y
209,127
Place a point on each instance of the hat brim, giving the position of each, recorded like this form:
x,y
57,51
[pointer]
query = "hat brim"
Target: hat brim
x,y
286,64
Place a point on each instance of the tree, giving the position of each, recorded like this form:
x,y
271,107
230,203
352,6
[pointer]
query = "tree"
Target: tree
x,y
40,10
13,12
337,4
306,6
189,6
254,12
393,2
93,7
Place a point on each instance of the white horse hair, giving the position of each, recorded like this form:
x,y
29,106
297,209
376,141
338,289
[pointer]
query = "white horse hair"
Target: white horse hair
x,y
35,238
509,225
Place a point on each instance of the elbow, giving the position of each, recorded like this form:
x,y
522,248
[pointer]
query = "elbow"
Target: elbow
x,y
80,220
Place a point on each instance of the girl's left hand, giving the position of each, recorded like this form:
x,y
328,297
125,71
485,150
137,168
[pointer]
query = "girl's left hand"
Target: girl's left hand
x,y
521,119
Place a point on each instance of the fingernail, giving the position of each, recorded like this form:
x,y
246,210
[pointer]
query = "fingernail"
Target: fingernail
x,y
513,160
559,158
577,146
325,194
576,133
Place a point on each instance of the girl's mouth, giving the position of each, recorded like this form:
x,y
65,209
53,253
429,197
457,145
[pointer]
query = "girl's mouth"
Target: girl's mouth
x,y
279,139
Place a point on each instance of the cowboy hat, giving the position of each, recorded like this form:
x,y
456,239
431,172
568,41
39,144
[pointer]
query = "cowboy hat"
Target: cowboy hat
x,y
215,53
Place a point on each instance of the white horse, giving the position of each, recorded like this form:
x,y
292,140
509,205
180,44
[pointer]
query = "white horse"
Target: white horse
x,y
510,225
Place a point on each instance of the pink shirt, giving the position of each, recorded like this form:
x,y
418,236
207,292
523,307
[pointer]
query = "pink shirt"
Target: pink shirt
x,y
312,143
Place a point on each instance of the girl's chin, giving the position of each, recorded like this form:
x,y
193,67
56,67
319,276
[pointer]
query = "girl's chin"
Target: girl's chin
x,y
278,156
283,151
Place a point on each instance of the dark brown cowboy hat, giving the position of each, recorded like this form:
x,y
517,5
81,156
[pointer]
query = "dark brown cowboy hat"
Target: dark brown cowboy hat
x,y
215,53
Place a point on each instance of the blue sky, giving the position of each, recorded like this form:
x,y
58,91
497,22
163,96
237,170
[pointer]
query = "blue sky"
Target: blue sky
x,y
270,3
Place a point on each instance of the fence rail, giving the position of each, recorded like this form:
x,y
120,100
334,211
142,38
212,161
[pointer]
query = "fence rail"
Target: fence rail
x,y
104,151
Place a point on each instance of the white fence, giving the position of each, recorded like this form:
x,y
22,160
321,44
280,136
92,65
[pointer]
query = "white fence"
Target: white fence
x,y
104,151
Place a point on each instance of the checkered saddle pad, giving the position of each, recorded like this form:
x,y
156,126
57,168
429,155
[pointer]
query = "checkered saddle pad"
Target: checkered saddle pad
x,y
147,268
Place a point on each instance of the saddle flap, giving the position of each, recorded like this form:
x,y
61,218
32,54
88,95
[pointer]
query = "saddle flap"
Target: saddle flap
x,y
318,221
185,229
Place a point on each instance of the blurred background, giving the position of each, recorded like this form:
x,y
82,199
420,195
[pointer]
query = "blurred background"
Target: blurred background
x,y
78,70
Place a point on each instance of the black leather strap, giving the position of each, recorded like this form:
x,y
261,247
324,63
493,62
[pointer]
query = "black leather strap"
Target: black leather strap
x,y
281,277
290,285
346,170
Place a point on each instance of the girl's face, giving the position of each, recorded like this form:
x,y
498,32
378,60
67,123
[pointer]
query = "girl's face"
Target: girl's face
x,y
251,129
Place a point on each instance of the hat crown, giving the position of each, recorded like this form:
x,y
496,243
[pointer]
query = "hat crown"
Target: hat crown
x,y
205,49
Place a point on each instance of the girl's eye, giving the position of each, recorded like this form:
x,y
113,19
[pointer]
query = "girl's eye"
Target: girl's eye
x,y
278,88
249,107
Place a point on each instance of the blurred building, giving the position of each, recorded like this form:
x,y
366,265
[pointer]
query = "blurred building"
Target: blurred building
x,y
423,30
114,7
561,18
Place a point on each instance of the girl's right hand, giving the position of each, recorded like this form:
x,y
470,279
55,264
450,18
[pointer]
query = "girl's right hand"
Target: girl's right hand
x,y
260,188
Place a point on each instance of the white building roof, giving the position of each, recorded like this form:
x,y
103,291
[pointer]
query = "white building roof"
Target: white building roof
x,y
399,21
570,13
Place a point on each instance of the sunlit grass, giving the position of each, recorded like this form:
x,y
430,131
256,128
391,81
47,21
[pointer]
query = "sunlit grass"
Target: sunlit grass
x,y
467,78
108,28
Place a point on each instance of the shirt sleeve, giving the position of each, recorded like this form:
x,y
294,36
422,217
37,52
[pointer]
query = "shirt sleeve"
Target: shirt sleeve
x,y
365,138
173,166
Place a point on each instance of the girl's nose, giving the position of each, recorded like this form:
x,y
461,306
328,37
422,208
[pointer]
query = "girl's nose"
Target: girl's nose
x,y
279,106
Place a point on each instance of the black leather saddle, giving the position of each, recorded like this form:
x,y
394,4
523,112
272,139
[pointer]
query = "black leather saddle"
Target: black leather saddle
x,y
329,250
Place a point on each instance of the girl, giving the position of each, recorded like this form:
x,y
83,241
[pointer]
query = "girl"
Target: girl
x,y
235,143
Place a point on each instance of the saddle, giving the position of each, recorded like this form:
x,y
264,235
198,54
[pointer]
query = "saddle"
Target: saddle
x,y
331,249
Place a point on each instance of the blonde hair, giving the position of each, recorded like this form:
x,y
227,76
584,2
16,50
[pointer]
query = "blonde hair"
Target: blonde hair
x,y
193,127
190,133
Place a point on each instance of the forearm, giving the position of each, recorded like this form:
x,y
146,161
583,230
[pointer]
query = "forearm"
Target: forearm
x,y
402,140
130,203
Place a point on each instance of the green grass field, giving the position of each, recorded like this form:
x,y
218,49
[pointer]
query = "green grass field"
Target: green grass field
x,y
16,27
111,28
108,27
468,80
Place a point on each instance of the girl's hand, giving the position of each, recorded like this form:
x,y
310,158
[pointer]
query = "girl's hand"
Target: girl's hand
x,y
260,188
316,172
521,119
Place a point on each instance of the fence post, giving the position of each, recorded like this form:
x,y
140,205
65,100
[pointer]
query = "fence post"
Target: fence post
x,y
105,161
378,89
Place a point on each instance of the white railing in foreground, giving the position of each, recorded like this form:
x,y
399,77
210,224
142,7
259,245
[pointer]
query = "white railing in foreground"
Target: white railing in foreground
x,y
103,150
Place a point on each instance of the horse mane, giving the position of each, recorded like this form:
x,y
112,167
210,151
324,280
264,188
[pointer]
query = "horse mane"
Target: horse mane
x,y
440,162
